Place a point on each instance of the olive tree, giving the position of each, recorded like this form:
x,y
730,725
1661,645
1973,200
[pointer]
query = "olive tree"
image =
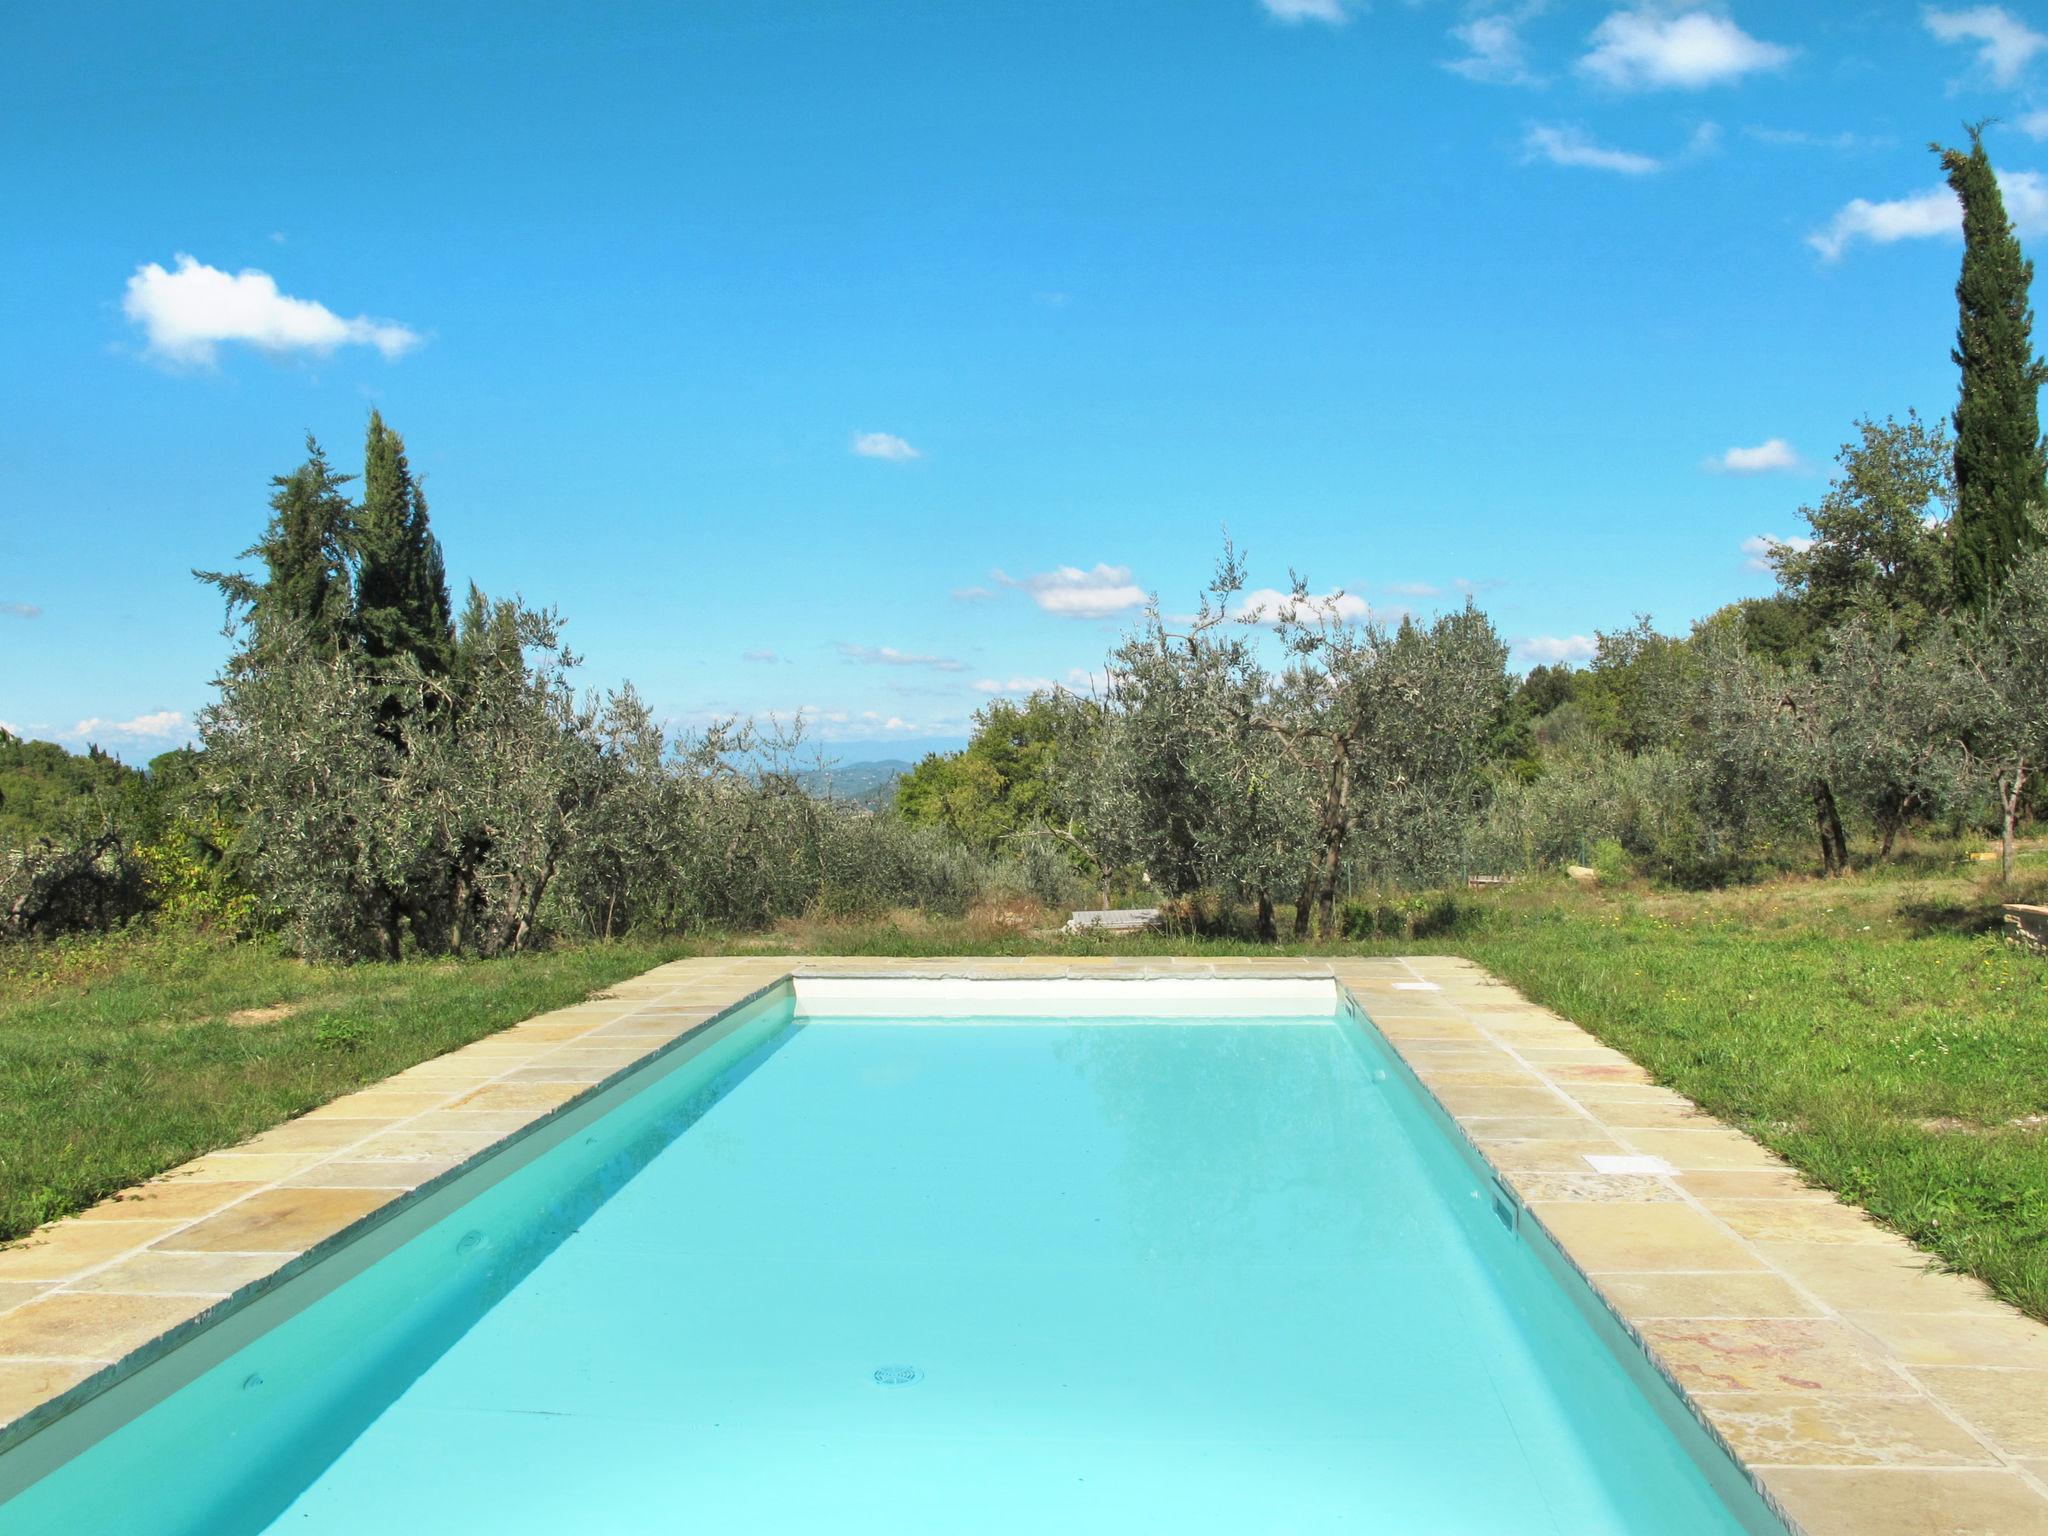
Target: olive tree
x,y
1187,778
1387,725
2006,654
1222,771
1896,717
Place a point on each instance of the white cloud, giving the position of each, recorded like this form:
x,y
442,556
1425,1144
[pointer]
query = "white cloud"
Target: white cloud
x,y
186,314
2005,44
1090,680
1562,144
1758,548
889,656
1019,686
1801,138
1494,51
1652,49
1555,648
2026,199
761,656
824,725
21,610
161,725
884,445
2034,125
1414,589
1335,12
974,595
1073,593
1772,456
1932,214
890,723
1268,605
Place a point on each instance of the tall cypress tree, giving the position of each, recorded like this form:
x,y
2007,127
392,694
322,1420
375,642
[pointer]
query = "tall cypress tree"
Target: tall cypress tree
x,y
305,555
401,585
2001,475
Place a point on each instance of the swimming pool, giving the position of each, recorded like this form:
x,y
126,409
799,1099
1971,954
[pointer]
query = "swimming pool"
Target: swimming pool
x,y
896,1256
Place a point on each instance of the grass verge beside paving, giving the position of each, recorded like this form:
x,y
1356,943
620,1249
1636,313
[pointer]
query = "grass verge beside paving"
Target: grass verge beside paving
x,y
123,1056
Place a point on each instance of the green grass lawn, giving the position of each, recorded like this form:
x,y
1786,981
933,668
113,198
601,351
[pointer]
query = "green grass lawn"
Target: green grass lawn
x,y
1875,1031
123,1056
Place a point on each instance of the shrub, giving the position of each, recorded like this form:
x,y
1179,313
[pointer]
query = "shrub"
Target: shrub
x,y
1611,862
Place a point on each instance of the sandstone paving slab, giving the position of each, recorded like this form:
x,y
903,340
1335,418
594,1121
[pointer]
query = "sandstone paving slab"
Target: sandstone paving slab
x,y
1602,1236
1647,1114
1567,1156
1460,1072
1989,1335
1810,1355
381,1104
178,1274
242,1167
1876,1277
70,1325
1705,1296
551,1071
507,1095
1494,1100
169,1200
1607,1188
327,1133
1553,1127
14,1292
1909,1501
288,1221
71,1247
1751,1184
1600,1074
2010,1404
388,1173
1812,1429
1800,1221
27,1384
1705,1150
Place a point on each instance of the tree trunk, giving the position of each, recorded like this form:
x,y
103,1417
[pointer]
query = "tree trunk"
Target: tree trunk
x,y
1834,842
1328,859
1326,900
2009,787
1268,933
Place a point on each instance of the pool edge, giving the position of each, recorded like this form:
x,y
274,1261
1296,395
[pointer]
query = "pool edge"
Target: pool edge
x,y
1478,1050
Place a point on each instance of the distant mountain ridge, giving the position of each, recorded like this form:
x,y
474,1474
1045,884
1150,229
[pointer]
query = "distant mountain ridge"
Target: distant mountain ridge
x,y
872,783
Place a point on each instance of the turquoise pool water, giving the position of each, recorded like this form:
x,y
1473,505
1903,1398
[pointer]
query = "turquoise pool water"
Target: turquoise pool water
x,y
988,1276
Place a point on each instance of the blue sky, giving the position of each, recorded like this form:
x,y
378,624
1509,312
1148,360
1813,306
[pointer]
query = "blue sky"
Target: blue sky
x,y
871,358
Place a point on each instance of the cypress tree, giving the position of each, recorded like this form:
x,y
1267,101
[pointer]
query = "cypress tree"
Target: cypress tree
x,y
305,555
401,600
2000,470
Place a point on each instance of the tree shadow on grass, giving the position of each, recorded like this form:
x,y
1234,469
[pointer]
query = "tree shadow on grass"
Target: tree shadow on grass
x,y
1943,914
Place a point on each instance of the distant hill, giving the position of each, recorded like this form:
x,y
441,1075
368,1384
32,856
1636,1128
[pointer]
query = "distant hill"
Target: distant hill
x,y
42,786
872,784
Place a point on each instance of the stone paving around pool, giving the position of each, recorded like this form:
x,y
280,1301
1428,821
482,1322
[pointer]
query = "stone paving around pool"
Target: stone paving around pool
x,y
1865,1392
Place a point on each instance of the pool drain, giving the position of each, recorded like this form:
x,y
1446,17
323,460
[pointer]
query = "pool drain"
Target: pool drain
x,y
897,1375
